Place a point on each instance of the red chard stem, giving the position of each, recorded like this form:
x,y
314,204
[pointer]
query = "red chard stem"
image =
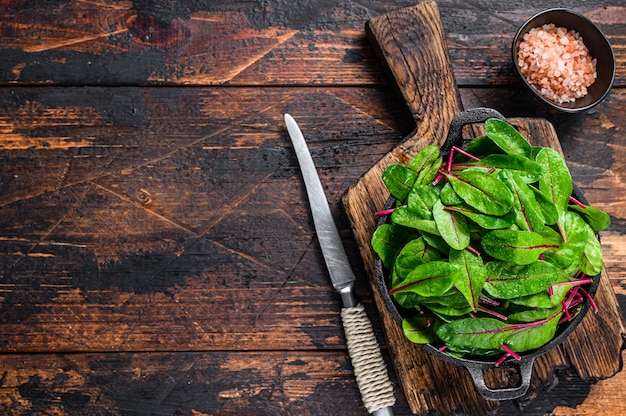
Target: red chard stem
x,y
577,202
489,301
384,212
590,299
501,359
492,313
510,352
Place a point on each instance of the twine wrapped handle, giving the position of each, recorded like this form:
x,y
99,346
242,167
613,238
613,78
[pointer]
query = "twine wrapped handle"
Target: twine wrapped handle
x,y
369,367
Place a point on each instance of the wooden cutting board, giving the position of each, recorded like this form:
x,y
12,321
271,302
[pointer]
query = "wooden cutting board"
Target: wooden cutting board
x,y
411,42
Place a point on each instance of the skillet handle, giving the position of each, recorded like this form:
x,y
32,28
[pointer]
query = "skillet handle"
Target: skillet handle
x,y
471,116
525,368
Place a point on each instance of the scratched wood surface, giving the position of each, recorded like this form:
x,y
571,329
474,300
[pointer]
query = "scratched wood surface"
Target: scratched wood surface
x,y
157,254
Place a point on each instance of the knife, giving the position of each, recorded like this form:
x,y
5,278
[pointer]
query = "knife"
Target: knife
x,y
369,367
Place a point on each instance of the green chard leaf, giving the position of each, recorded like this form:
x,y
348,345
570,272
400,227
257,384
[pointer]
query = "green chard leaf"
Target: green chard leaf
x,y
532,315
598,219
574,234
548,209
530,216
448,196
428,279
534,334
519,247
507,137
471,279
417,330
528,170
482,191
544,299
452,227
413,254
387,241
399,181
481,146
452,298
556,181
591,262
445,312
408,218
435,240
509,281
467,333
421,200
489,222
425,158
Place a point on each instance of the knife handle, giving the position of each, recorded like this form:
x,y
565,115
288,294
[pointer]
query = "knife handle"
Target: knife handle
x,y
369,367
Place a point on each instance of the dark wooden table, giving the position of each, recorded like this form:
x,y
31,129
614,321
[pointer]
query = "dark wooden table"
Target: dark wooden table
x,y
156,248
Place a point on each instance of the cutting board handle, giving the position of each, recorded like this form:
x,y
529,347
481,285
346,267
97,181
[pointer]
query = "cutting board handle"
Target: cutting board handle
x,y
419,62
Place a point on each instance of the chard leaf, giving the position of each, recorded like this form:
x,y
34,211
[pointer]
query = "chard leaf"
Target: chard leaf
x,y
530,217
447,313
426,164
519,247
471,279
547,207
509,281
448,196
591,261
534,336
483,333
528,170
507,137
598,219
568,255
429,173
435,240
387,240
490,222
414,253
421,200
399,181
551,236
543,299
480,146
428,279
532,315
556,181
408,218
482,191
452,227
417,330
452,298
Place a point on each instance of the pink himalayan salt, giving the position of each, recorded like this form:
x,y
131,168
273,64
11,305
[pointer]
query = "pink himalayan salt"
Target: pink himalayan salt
x,y
557,63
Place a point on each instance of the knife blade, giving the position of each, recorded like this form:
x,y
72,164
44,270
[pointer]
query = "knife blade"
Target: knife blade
x,y
369,367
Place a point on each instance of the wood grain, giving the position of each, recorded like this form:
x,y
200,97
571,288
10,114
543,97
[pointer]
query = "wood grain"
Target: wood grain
x,y
219,42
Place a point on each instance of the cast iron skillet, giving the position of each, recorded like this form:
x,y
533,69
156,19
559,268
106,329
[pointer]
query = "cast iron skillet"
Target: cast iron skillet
x,y
474,364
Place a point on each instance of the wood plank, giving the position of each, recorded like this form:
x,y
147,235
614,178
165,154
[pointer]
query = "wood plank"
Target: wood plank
x,y
210,383
123,43
246,383
136,224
